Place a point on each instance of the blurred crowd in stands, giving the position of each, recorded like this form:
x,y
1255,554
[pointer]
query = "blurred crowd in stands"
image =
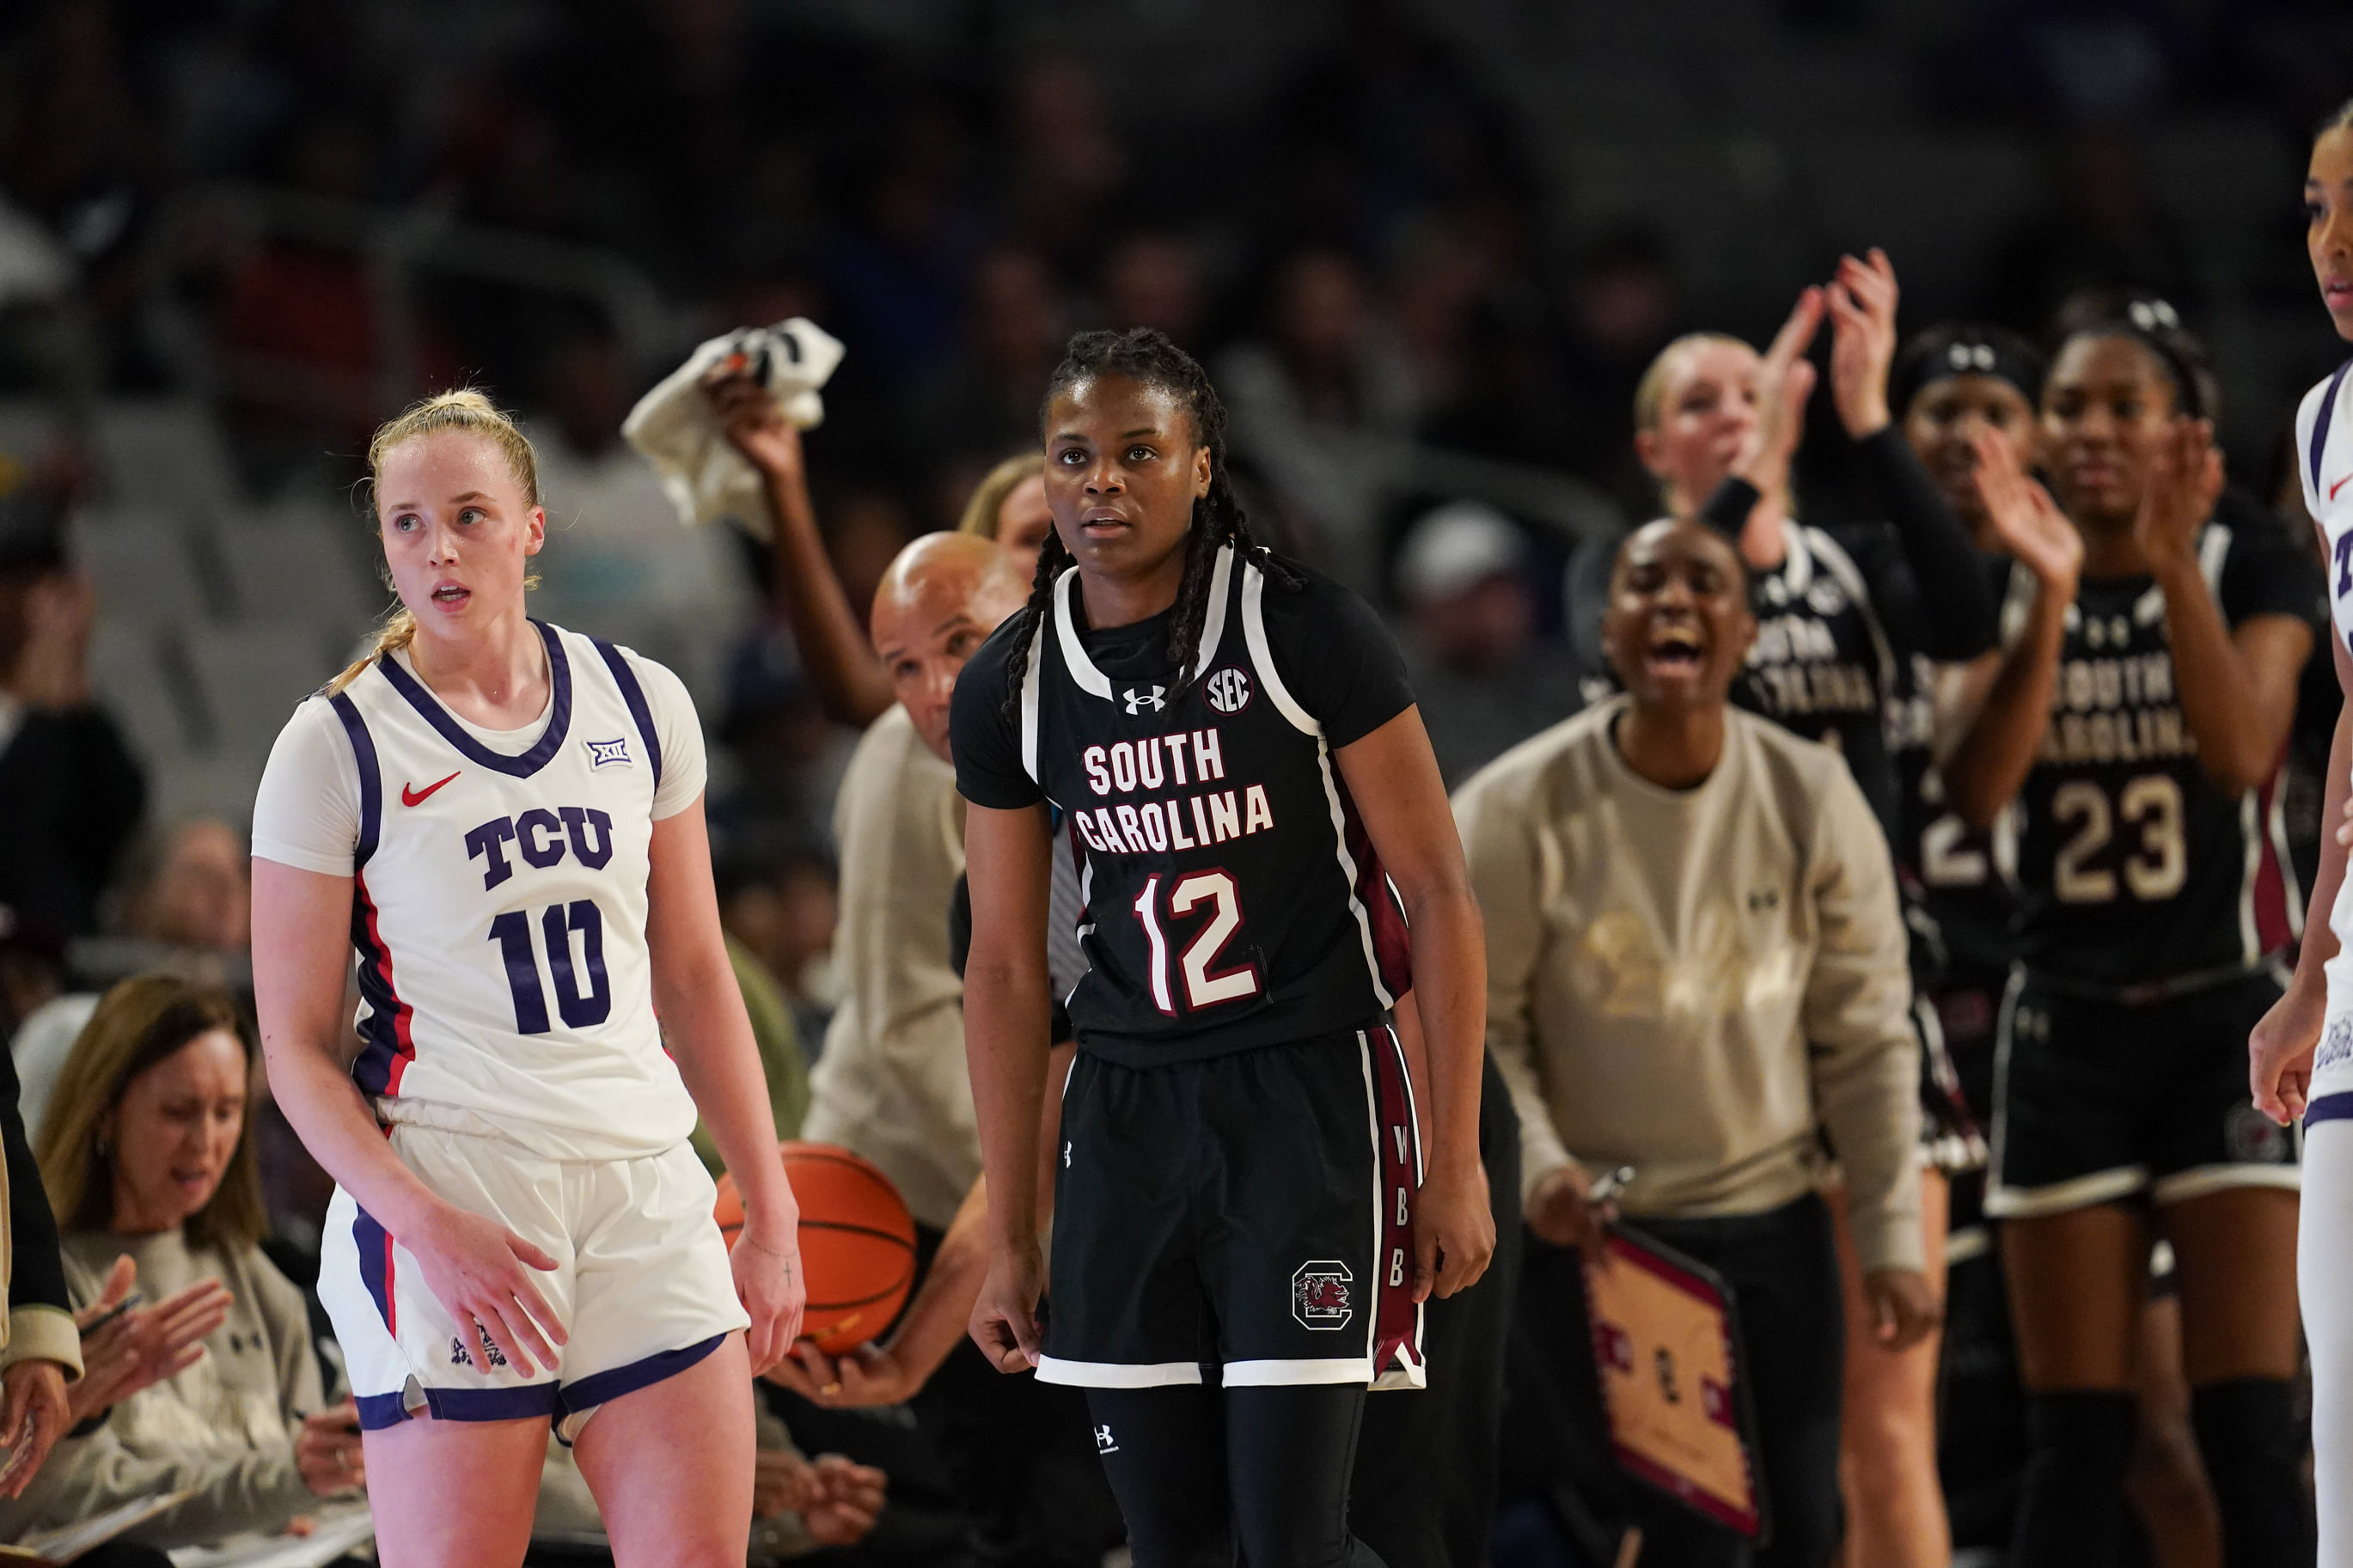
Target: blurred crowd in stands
x,y
292,215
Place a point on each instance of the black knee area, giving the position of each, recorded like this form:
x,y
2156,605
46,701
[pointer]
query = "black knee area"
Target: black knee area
x,y
2071,1514
2252,1446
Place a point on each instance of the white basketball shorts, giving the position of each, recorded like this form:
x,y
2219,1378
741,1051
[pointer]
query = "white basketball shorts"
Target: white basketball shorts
x,y
642,1287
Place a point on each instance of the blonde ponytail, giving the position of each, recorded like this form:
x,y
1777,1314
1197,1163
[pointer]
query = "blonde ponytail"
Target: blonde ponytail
x,y
464,410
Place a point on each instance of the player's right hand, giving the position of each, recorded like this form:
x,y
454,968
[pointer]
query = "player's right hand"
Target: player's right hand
x,y
2280,1050
1004,1318
1559,1212
481,1273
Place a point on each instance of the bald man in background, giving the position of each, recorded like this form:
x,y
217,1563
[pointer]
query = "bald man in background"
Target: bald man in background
x,y
890,1084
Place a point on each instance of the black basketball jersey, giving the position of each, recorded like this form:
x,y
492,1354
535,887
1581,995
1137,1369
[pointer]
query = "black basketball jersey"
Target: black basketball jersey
x,y
2135,871
1823,665
1961,875
1231,898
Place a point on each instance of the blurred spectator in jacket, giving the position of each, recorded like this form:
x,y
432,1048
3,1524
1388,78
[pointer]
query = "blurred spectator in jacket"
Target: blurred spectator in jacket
x,y
1318,403
69,789
1483,682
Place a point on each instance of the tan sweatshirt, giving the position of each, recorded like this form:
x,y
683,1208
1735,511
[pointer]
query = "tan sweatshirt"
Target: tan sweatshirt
x,y
890,1084
224,1426
1694,982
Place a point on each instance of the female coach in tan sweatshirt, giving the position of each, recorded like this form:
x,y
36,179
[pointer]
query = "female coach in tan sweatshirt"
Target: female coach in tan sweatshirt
x,y
1696,968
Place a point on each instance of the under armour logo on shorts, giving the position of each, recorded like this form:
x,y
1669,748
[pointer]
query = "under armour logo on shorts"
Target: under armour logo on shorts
x,y
1138,700
1103,1442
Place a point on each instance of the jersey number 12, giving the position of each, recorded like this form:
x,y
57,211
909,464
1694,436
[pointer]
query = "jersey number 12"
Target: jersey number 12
x,y
1204,987
579,1009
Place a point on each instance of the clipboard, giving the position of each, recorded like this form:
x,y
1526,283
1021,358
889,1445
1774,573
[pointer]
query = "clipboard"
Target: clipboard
x,y
1674,1380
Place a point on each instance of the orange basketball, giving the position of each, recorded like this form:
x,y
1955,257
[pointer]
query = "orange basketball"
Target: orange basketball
x,y
857,1243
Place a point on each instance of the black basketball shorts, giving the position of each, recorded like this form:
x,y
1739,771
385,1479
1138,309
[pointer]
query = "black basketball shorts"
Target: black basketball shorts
x,y
2098,1099
1244,1219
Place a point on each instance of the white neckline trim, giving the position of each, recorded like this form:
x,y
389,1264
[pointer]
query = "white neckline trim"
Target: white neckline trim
x,y
1074,651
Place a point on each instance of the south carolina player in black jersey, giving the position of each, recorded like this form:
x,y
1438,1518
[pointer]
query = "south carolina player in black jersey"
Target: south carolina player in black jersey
x,y
2141,728
1238,1250
1966,396
1718,425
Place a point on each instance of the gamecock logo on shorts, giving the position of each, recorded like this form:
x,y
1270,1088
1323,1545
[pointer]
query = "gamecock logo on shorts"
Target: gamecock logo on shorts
x,y
1228,690
1319,1295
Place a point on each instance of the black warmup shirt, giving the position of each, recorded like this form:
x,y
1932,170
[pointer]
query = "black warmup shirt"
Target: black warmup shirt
x,y
1838,619
2134,868
1231,898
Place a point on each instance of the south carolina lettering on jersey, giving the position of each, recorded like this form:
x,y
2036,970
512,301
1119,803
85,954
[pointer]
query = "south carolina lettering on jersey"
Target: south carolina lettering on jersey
x,y
1159,825
1231,897
2119,709
2133,867
1796,667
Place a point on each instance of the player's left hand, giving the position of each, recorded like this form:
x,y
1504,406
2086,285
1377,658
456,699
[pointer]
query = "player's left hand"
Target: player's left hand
x,y
1862,300
1903,1307
866,1377
2185,479
1453,1233
773,1291
31,1418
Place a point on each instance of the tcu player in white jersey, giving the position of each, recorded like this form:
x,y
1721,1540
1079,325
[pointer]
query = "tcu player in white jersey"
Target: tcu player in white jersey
x,y
504,821
2301,1055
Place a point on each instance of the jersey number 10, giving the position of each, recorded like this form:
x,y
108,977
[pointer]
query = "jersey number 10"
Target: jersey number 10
x,y
1204,987
578,1009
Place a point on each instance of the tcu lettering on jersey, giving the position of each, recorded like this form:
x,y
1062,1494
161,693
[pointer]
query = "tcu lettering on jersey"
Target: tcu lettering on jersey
x,y
498,908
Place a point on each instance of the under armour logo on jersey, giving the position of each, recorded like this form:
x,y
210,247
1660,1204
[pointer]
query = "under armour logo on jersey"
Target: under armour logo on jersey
x,y
1137,702
601,753
1104,1442
1228,690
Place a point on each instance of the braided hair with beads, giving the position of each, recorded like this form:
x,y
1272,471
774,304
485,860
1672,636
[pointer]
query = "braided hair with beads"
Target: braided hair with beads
x,y
1150,359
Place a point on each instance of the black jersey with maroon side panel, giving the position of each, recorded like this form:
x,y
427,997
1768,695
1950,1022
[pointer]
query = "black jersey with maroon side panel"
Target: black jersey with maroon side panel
x,y
2136,872
1231,898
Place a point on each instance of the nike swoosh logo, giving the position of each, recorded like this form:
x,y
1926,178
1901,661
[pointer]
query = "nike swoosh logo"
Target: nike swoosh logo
x,y
412,796
2338,486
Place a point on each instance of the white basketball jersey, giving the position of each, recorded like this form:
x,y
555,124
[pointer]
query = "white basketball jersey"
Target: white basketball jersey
x,y
499,914
2324,449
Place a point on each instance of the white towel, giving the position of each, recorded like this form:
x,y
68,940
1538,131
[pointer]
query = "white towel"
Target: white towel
x,y
676,429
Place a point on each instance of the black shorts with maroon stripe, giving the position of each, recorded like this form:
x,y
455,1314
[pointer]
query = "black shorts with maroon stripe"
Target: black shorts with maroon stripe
x,y
1244,1219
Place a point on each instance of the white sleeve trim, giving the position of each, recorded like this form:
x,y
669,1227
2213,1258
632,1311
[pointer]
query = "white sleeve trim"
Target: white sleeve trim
x,y
686,767
306,812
